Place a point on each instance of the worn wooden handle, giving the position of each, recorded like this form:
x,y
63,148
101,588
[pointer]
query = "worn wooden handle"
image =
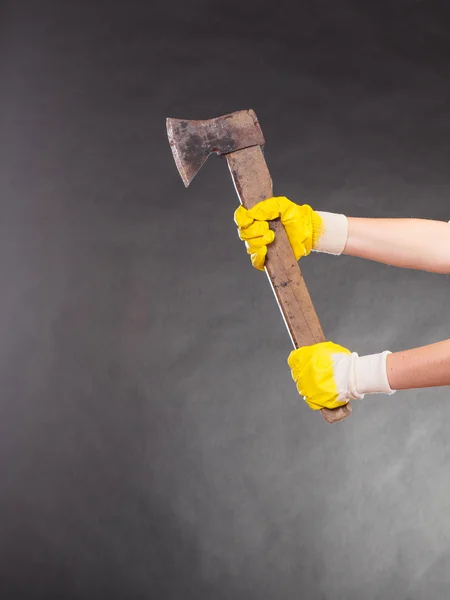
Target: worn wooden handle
x,y
253,183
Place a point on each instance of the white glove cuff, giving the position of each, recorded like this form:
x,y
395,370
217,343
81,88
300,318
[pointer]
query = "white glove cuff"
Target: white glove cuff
x,y
345,376
371,374
334,238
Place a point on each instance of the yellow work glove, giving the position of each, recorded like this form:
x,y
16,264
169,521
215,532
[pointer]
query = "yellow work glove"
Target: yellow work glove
x,y
300,222
328,375
306,228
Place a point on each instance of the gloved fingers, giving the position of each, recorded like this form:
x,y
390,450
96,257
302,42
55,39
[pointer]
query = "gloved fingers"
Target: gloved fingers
x,y
258,258
256,229
298,356
254,244
268,209
265,210
241,218
306,398
328,403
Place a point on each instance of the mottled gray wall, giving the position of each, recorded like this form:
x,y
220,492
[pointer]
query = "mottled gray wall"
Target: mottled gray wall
x,y
152,442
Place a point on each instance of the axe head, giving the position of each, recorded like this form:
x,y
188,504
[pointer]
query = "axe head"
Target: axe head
x,y
193,141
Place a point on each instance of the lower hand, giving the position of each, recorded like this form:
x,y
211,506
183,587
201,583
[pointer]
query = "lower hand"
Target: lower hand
x,y
328,375
324,374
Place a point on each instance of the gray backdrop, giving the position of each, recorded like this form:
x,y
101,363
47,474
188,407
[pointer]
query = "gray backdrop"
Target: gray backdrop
x,y
152,442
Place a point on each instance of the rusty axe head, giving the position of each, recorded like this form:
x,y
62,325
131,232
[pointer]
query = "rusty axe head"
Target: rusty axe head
x,y
193,141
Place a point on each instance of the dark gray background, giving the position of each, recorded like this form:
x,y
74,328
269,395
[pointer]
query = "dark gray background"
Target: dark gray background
x,y
152,442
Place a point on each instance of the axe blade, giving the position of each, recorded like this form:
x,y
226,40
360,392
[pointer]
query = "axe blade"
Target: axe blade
x,y
193,141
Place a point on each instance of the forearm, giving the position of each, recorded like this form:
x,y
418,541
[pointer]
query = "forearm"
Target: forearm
x,y
410,243
426,366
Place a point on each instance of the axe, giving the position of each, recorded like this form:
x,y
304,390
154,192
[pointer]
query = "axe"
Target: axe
x,y
239,138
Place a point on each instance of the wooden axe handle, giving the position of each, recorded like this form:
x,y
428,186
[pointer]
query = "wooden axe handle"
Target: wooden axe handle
x,y
253,183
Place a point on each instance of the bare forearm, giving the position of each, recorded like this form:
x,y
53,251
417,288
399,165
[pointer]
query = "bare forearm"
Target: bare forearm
x,y
410,243
426,366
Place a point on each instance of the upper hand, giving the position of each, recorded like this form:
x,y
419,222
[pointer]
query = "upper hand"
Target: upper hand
x,y
301,223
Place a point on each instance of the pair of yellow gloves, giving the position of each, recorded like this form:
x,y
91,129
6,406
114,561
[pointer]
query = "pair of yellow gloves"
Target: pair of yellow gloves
x,y
326,375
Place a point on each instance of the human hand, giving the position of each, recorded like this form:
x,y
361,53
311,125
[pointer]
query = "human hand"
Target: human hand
x,y
328,375
303,226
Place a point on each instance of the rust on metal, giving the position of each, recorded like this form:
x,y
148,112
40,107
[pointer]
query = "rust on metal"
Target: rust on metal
x,y
193,141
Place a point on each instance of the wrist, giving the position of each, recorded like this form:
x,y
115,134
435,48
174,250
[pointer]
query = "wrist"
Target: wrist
x,y
356,375
370,374
330,231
